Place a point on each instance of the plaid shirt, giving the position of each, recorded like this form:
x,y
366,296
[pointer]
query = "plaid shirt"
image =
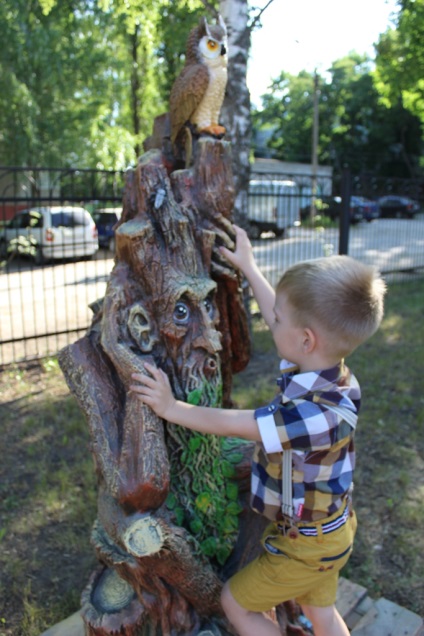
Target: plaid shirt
x,y
321,441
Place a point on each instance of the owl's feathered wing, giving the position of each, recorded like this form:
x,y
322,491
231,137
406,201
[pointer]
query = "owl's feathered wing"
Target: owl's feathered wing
x,y
186,94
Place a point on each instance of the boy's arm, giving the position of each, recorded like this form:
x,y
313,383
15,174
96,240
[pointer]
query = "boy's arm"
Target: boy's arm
x,y
243,259
155,391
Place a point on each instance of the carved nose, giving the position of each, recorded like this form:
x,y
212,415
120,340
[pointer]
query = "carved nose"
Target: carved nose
x,y
211,342
210,367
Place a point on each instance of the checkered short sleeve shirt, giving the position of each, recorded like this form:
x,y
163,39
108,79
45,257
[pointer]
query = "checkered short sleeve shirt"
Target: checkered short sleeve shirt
x,y
321,441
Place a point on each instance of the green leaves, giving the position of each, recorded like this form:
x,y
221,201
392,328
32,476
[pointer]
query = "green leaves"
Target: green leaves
x,y
204,499
81,83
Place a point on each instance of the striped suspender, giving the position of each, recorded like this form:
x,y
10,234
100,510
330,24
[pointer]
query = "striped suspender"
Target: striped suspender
x,y
287,495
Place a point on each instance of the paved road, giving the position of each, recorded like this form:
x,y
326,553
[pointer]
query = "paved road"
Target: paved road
x,y
47,300
388,244
54,298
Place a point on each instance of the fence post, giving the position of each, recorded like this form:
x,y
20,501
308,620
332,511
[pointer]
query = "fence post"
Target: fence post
x,y
345,212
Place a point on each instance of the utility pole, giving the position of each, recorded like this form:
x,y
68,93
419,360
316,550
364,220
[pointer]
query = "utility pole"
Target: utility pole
x,y
315,131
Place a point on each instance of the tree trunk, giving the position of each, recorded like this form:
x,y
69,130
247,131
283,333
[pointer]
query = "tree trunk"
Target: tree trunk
x,y
236,109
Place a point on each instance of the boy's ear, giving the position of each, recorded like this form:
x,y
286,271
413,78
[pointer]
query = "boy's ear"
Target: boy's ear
x,y
309,340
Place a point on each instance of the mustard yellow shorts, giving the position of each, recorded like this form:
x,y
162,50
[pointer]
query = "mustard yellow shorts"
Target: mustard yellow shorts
x,y
305,568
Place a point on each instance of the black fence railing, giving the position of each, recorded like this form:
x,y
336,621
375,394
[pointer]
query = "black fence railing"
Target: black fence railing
x,y
45,295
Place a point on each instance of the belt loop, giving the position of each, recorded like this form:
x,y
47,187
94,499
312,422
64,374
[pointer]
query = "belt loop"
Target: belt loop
x,y
320,537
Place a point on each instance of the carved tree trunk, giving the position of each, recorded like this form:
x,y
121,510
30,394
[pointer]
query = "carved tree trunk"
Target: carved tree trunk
x,y
170,527
173,516
162,306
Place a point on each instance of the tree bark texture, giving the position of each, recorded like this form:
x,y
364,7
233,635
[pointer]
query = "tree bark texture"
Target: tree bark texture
x,y
236,108
172,300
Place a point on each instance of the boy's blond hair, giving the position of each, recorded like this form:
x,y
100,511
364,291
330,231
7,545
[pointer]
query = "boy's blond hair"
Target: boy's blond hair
x,y
339,295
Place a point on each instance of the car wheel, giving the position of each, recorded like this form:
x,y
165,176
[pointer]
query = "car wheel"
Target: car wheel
x,y
38,256
280,233
254,231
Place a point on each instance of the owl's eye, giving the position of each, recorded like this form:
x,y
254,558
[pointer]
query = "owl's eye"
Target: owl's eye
x,y
181,314
212,45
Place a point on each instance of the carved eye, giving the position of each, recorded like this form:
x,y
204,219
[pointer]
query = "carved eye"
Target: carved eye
x,y
212,45
181,313
208,304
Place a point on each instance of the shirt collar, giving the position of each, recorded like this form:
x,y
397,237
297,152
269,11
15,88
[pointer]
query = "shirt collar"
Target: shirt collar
x,y
295,385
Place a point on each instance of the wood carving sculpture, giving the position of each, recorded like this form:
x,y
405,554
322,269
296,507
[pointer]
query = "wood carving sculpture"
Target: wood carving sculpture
x,y
173,518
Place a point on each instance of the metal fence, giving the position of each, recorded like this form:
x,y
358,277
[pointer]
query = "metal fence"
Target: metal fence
x,y
44,307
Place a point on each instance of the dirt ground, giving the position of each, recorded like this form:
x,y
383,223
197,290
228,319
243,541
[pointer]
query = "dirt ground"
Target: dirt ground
x,y
47,503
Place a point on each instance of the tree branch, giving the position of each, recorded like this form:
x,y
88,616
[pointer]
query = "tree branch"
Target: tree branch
x,y
257,17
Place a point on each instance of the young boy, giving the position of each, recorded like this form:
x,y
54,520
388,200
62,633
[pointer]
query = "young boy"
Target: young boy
x,y
320,312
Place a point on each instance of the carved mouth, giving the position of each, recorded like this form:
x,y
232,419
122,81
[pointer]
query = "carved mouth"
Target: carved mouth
x,y
202,381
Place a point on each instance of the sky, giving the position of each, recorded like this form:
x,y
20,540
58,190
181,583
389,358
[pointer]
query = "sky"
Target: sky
x,y
309,34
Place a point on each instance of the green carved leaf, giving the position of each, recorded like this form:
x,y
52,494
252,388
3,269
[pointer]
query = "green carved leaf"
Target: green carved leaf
x,y
171,501
196,525
231,490
203,501
234,458
209,546
234,508
194,443
194,397
227,469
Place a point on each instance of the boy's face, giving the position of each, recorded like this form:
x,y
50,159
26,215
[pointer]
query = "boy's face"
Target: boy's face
x,y
288,335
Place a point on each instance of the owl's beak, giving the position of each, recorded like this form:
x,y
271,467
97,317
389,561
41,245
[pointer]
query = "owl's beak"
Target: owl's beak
x,y
223,50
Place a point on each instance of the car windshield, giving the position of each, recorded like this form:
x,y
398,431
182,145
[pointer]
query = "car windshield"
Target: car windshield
x,y
104,218
69,218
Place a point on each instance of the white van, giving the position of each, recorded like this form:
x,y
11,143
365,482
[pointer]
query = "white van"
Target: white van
x,y
50,232
272,206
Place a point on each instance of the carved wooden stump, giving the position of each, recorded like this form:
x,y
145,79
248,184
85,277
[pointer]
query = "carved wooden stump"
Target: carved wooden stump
x,y
173,515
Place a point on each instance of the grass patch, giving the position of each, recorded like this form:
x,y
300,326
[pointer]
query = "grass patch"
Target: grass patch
x,y
47,480
48,500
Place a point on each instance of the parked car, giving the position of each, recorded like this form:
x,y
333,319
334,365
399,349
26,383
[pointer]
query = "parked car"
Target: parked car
x,y
105,220
397,206
50,232
272,207
363,209
324,205
360,208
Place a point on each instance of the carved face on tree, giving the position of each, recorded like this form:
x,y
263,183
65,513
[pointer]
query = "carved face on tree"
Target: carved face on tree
x,y
192,340
167,307
178,326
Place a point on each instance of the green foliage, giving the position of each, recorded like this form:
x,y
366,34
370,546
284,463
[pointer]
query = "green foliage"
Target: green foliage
x,y
204,499
355,127
81,83
400,59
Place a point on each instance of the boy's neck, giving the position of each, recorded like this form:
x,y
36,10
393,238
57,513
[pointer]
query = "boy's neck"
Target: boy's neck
x,y
317,363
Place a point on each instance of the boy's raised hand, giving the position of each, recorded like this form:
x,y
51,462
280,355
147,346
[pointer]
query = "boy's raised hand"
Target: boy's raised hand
x,y
155,391
242,257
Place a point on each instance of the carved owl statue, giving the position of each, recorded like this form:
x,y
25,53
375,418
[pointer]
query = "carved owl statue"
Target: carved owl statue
x,y
198,92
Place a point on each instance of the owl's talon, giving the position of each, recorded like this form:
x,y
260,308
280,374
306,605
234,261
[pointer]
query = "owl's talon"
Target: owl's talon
x,y
214,129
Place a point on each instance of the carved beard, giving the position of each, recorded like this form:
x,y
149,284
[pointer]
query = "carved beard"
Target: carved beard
x,y
196,379
201,379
